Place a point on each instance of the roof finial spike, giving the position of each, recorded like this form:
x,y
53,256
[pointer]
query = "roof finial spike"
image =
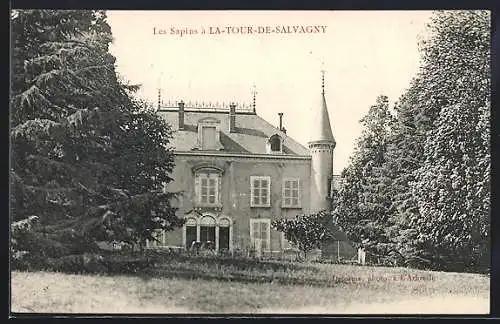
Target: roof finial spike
x,y
254,94
323,77
159,98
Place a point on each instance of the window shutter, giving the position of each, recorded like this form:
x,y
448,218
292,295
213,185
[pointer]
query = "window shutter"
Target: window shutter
x,y
268,200
251,196
283,196
299,186
197,189
218,197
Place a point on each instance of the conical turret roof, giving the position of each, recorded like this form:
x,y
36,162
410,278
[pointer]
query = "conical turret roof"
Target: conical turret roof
x,y
322,129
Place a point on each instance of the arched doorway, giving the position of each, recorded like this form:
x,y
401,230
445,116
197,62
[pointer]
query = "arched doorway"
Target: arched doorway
x,y
208,228
191,229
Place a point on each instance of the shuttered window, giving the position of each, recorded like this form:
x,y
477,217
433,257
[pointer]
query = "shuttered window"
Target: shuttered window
x,y
260,188
291,193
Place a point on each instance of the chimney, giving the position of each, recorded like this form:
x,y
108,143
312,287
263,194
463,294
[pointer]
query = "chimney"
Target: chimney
x,y
232,117
281,121
181,114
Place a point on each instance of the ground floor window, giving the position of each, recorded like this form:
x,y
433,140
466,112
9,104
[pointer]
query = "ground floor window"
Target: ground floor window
x,y
159,239
260,234
191,232
208,231
207,234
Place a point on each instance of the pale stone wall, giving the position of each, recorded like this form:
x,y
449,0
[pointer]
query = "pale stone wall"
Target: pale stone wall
x,y
235,192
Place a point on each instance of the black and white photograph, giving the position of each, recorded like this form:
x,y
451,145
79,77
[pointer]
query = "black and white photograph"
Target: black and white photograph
x,y
249,162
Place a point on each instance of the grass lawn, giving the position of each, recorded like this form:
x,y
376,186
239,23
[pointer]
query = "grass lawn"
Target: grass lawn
x,y
345,289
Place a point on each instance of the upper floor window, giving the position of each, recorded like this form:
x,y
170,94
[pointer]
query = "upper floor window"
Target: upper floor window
x,y
209,188
274,144
207,185
291,193
208,134
260,191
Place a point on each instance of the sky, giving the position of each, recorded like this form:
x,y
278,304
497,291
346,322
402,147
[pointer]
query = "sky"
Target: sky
x,y
364,54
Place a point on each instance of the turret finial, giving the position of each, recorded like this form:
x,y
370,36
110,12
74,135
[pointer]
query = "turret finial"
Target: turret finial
x,y
323,78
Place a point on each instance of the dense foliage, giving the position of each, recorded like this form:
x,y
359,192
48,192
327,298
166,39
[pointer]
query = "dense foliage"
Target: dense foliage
x,y
364,202
87,159
427,184
306,232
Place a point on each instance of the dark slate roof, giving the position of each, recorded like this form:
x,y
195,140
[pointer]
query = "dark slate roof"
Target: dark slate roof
x,y
250,137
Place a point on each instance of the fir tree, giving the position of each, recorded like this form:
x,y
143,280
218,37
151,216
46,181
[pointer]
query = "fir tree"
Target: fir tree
x,y
71,120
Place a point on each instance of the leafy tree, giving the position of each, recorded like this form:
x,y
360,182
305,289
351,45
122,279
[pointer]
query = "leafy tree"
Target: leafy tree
x,y
452,188
454,73
306,232
443,149
363,202
86,158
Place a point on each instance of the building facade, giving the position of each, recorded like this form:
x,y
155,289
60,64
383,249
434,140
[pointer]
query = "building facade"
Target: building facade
x,y
236,173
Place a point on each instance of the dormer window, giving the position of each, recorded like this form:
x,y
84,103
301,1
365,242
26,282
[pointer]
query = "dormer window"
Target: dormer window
x,y
274,144
209,135
208,138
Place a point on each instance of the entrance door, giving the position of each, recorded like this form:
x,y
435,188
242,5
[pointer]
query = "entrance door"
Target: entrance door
x,y
190,236
223,238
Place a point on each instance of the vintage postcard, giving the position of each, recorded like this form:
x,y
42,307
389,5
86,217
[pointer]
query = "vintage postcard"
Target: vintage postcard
x,y
250,162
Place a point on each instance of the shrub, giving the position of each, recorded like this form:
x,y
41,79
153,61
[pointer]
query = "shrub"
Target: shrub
x,y
306,232
123,264
81,263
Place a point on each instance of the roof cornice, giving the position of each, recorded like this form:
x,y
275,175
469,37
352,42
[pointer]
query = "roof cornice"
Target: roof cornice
x,y
244,155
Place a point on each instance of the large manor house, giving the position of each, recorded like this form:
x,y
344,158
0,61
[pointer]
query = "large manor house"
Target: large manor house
x,y
236,172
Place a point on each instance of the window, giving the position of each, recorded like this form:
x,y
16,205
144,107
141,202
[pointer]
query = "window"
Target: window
x,y
224,233
159,241
208,137
260,191
208,228
274,144
207,188
191,232
260,234
208,134
291,193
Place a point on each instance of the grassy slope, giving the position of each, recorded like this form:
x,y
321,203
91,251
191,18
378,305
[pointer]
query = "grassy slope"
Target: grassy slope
x,y
356,289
